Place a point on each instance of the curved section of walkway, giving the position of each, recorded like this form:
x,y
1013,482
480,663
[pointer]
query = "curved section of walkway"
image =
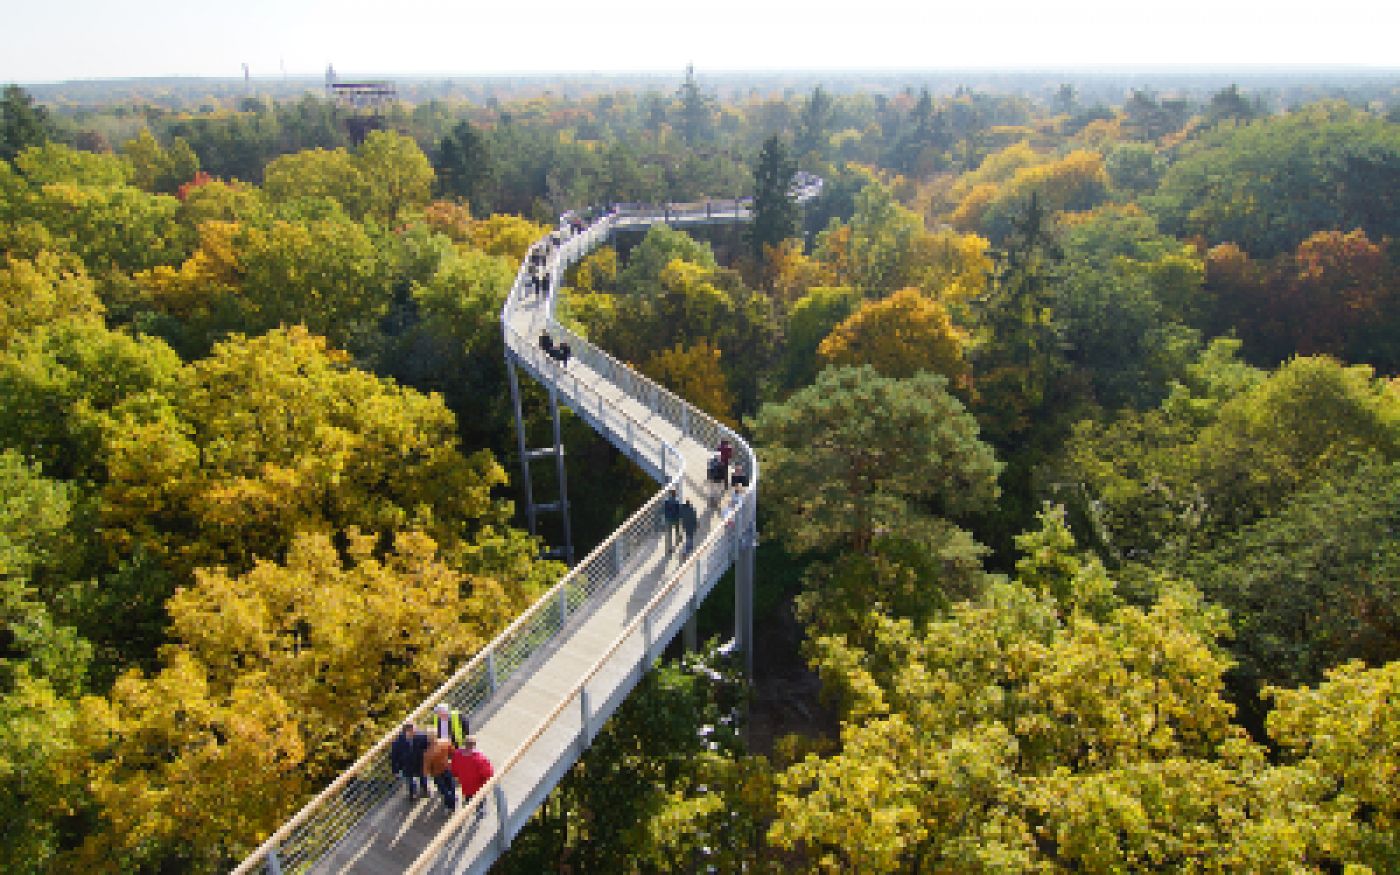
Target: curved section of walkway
x,y
539,692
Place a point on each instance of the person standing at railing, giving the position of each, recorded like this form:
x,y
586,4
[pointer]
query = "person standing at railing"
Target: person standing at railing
x,y
731,504
435,766
406,758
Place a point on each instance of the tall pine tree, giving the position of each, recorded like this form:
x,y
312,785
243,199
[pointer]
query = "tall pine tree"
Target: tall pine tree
x,y
774,213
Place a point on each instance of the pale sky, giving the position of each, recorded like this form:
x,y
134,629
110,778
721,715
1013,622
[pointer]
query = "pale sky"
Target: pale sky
x,y
52,40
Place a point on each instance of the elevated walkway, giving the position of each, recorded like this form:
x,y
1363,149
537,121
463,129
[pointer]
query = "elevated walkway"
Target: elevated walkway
x,y
539,692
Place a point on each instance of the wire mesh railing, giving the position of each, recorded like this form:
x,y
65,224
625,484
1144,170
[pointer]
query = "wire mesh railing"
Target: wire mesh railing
x,y
368,783
576,717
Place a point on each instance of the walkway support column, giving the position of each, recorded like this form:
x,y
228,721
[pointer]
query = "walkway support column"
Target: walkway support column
x,y
690,639
743,596
520,443
563,486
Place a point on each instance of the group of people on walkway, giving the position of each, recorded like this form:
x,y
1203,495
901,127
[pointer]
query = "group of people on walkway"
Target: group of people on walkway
x,y
728,482
560,352
539,283
724,472
448,755
679,516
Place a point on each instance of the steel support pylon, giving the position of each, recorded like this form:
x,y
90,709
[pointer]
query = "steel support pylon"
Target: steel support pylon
x,y
532,508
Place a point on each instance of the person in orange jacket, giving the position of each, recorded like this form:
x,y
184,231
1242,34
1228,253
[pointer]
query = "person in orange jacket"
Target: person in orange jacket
x,y
435,766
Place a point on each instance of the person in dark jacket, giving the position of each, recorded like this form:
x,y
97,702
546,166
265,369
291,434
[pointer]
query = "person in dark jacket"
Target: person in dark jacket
x,y
406,758
690,521
671,518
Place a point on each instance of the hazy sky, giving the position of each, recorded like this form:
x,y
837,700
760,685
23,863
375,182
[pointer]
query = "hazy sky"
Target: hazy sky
x,y
48,40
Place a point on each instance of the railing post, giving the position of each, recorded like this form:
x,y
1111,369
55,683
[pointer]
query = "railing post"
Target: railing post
x,y
563,606
491,669
502,841
617,557
585,716
685,420
274,865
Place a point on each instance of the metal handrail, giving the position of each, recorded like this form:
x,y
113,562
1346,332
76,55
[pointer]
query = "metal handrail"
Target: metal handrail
x,y
722,533
558,603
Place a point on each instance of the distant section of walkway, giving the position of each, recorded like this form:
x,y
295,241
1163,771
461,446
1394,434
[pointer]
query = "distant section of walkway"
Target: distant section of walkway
x,y
540,691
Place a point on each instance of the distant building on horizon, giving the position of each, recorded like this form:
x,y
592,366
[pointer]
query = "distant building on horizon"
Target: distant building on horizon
x,y
363,101
359,95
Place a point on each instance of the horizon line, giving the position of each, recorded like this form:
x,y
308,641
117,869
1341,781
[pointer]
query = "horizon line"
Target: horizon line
x,y
668,73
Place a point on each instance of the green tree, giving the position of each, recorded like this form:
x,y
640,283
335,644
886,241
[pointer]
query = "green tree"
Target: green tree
x,y
1314,584
318,173
1229,447
774,213
50,163
1127,295
661,245
810,143
1269,185
1228,104
157,169
326,273
695,109
856,455
465,166
1021,358
810,320
1343,737
59,381
22,123
43,667
399,176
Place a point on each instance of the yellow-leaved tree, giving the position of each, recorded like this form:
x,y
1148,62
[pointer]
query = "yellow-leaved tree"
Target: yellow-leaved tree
x,y
42,290
503,234
899,336
276,680
278,434
694,373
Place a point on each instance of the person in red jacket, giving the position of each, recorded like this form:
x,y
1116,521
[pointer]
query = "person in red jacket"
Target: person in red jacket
x,y
471,768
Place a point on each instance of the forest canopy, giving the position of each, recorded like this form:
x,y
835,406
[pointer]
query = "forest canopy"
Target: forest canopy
x,y
1077,409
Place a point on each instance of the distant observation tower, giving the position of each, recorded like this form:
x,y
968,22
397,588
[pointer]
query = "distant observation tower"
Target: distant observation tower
x,y
363,102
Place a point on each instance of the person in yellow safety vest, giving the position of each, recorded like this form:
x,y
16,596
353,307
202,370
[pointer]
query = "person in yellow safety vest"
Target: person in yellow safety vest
x,y
451,725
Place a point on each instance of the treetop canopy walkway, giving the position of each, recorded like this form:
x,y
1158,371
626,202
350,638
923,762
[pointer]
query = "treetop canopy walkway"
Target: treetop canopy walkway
x,y
539,692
